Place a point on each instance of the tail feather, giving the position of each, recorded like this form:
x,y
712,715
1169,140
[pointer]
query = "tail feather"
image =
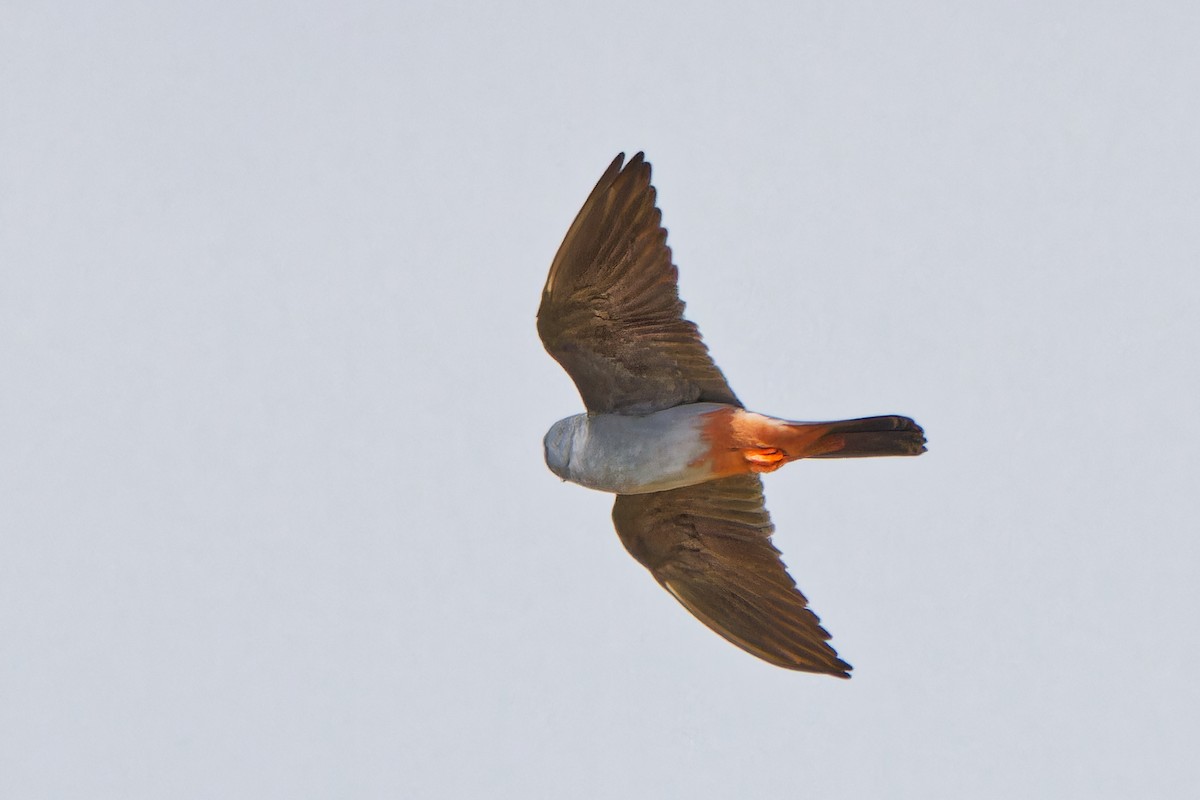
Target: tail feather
x,y
870,436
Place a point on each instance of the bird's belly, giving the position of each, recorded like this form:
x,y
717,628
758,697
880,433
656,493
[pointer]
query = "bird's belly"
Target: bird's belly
x,y
650,453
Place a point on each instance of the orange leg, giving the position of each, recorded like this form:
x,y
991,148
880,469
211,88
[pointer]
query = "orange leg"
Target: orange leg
x,y
764,459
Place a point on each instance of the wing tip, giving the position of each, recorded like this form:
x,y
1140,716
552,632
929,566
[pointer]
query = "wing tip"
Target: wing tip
x,y
834,667
799,655
636,167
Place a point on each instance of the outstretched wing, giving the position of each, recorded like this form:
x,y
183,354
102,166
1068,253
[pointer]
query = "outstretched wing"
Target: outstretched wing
x,y
611,313
709,545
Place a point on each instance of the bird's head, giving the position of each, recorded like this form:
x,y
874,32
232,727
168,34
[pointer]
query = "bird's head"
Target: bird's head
x,y
559,442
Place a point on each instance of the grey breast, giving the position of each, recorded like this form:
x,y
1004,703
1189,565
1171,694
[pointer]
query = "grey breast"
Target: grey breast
x,y
632,454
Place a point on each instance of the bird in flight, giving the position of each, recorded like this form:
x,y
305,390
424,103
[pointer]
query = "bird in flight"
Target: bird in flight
x,y
665,433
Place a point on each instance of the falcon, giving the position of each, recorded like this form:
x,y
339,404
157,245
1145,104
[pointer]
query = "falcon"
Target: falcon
x,y
665,433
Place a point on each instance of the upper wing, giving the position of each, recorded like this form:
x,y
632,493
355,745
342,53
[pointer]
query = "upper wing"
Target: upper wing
x,y
709,545
611,313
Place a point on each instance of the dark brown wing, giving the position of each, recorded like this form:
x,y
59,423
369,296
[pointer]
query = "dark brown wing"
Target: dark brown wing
x,y
710,546
611,313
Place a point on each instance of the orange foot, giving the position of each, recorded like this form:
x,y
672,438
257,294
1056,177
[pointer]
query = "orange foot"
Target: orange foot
x,y
764,459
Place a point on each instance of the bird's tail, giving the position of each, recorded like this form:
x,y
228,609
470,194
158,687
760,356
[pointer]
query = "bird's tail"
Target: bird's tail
x,y
741,440
859,438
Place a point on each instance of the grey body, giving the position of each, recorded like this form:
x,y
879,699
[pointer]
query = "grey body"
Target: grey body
x,y
632,454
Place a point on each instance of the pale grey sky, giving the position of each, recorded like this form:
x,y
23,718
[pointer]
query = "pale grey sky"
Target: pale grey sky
x,y
274,518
